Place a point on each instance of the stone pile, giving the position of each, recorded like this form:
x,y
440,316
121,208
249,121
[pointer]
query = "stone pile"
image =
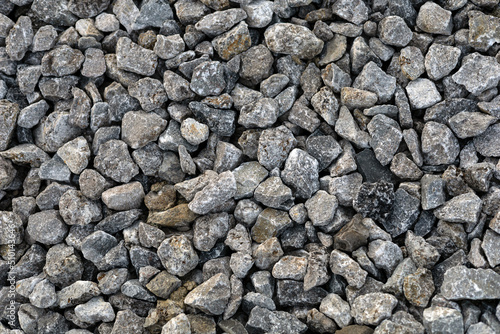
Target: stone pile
x,y
249,166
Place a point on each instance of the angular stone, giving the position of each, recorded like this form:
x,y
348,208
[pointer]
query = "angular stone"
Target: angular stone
x,y
46,227
375,200
212,296
439,145
372,78
95,310
392,30
470,124
134,58
232,42
19,39
273,193
341,264
404,213
149,92
464,208
264,320
354,98
433,19
290,267
440,60
8,112
68,61
335,78
267,253
487,144
260,13
75,154
444,320
352,11
124,197
419,287
76,209
372,308
281,38
489,246
63,265
113,160
422,93
291,293
468,74
386,136
270,223
301,173
208,79
464,283
177,255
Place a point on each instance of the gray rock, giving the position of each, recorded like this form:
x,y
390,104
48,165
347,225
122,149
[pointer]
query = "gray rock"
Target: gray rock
x,y
347,128
77,293
326,105
486,144
55,170
9,112
489,246
392,30
341,264
440,60
439,319
27,77
221,21
273,193
208,79
134,58
304,117
404,168
63,275
372,308
337,309
374,79
46,227
386,255
168,47
260,13
352,11
468,75
439,145
7,173
19,39
119,101
273,85
43,294
95,310
107,22
149,92
94,64
482,30
134,289
464,283
419,287
212,296
394,284
75,154
208,229
113,160
412,62
31,115
264,320
95,246
76,209
480,328
301,173
270,223
464,208
227,157
177,88
177,255
140,128
152,14
125,197
335,78
434,19
281,37
215,193
385,137
225,45
270,139
321,208
422,93
68,61
256,64
432,191
127,322
291,293
470,124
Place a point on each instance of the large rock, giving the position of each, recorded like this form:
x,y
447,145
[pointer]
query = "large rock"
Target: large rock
x,y
212,296
462,283
293,39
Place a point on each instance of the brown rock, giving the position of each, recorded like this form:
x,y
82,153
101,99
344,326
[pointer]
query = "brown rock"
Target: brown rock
x,y
161,197
178,217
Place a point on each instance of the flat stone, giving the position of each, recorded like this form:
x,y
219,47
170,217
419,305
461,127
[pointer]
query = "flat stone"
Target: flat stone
x,y
124,197
464,283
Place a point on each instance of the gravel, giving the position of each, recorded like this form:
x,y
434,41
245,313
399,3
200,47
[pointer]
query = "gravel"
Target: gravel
x,y
206,166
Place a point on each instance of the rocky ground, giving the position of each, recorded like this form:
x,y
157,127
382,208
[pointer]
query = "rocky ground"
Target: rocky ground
x,y
216,166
